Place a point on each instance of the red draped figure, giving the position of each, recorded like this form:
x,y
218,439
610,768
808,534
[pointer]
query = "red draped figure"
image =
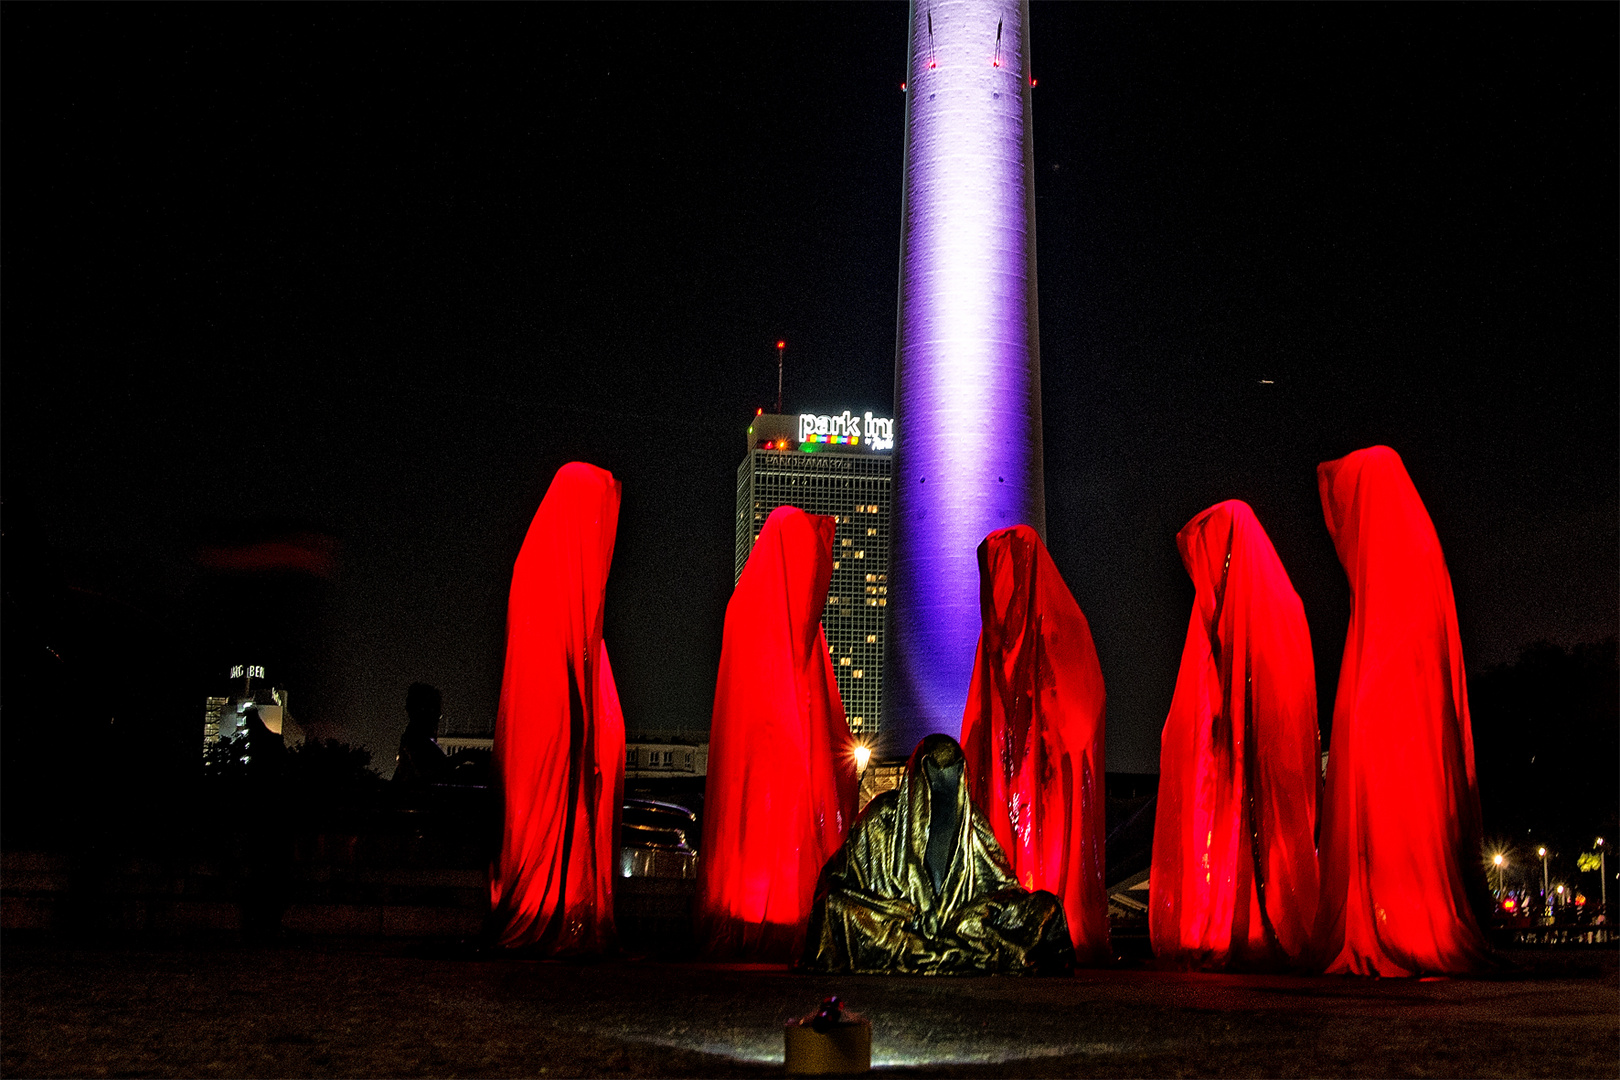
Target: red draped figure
x,y
559,735
1033,732
1400,821
781,784
1234,880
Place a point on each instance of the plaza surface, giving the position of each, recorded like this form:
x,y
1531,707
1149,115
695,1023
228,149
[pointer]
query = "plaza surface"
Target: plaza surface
x,y
388,1009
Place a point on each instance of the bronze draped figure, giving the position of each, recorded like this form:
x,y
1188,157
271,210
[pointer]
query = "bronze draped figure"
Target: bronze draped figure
x,y
921,887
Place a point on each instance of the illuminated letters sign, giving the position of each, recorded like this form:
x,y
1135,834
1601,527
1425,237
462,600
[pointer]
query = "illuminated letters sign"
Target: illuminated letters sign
x,y
252,671
847,430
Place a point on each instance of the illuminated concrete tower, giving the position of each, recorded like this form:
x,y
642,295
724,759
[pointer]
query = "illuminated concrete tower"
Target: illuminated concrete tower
x,y
967,380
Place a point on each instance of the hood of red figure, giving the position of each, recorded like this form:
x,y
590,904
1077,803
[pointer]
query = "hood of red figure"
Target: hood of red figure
x,y
805,540
571,539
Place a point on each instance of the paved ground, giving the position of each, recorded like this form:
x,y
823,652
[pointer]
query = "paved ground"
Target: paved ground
x,y
367,1009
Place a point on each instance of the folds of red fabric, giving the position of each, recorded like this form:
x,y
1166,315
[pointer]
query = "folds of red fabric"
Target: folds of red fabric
x,y
1033,732
559,734
1234,878
781,783
1400,818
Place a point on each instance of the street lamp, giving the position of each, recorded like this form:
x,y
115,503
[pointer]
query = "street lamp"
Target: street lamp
x,y
1603,876
1498,861
1546,898
863,754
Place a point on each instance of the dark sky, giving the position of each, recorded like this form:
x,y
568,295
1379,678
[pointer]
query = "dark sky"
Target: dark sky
x,y
375,272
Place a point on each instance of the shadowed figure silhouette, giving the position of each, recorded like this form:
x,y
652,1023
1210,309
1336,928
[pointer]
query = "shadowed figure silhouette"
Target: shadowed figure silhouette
x,y
421,762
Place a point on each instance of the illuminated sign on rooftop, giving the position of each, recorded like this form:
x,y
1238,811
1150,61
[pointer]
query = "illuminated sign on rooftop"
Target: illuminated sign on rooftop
x,y
809,433
846,430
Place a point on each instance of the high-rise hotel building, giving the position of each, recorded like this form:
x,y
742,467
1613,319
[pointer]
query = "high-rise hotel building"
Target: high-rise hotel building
x,y
838,466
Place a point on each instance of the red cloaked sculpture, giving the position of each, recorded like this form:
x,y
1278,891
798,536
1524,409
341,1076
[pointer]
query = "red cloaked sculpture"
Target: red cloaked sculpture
x,y
781,784
1234,879
559,734
1400,821
1033,732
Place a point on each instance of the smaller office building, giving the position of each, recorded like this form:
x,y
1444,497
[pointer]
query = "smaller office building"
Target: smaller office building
x,y
665,756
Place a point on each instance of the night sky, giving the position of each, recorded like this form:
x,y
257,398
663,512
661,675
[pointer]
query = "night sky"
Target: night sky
x,y
359,279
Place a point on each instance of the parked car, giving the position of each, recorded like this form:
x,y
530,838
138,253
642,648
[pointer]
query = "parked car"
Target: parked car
x,y
656,841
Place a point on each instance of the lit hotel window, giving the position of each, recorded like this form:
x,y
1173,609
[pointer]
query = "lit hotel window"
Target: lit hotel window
x,y
843,661
847,542
858,673
871,532
871,639
858,554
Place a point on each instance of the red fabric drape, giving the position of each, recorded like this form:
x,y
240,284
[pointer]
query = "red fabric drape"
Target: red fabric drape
x,y
1400,821
1234,879
1033,732
559,734
781,785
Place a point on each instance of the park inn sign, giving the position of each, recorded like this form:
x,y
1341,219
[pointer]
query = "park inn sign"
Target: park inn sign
x,y
876,431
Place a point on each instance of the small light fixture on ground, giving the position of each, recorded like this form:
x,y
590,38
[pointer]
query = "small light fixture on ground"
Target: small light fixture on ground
x,y
828,1041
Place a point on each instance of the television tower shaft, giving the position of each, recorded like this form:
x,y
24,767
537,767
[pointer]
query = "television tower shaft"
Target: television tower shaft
x,y
967,355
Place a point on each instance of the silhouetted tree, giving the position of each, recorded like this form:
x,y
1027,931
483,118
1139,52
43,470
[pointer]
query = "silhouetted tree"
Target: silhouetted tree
x,y
325,773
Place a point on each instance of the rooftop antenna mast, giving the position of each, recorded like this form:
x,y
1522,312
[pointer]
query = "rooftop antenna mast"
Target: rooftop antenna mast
x,y
780,346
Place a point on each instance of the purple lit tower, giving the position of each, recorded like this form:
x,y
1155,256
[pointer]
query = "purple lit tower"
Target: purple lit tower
x,y
967,378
